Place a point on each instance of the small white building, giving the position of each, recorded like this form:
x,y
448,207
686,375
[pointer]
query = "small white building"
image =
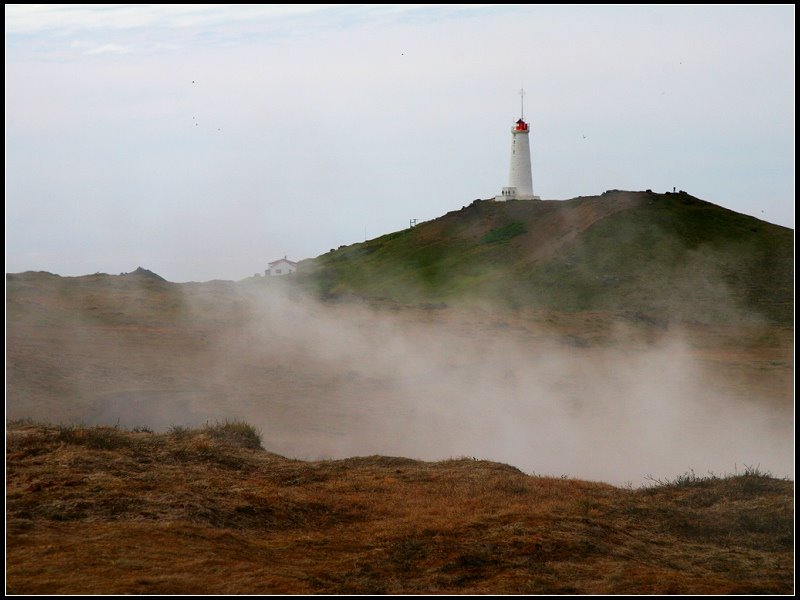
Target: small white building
x,y
282,266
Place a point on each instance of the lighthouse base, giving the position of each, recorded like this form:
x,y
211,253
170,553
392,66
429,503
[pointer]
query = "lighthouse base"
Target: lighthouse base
x,y
510,193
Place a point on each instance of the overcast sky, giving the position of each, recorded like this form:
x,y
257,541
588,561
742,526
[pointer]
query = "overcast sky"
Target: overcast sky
x,y
202,142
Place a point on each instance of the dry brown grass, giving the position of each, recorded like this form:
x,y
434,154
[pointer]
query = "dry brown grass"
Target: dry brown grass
x,y
103,510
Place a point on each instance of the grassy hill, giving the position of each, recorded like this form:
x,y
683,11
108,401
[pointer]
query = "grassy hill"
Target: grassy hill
x,y
665,255
103,510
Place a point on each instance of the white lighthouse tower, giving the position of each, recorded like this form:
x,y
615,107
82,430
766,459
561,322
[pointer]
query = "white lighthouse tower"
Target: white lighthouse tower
x,y
520,182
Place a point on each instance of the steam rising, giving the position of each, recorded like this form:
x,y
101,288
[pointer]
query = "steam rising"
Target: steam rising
x,y
331,381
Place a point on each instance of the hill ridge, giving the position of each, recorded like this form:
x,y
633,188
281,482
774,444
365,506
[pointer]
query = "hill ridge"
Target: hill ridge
x,y
662,254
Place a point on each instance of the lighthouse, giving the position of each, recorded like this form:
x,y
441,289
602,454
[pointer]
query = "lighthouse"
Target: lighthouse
x,y
520,182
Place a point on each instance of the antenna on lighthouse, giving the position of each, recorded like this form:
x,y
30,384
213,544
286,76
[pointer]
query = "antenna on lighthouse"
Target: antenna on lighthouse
x,y
522,103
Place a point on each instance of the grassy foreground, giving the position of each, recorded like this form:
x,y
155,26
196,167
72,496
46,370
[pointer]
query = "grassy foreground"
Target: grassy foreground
x,y
103,510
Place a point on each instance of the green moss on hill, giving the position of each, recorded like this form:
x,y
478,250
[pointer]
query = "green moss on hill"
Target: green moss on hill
x,y
504,233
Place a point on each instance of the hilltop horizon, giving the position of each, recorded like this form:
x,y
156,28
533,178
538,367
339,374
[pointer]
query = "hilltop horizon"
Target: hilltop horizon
x,y
371,239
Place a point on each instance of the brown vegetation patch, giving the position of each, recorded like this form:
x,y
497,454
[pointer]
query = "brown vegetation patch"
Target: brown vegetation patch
x,y
103,510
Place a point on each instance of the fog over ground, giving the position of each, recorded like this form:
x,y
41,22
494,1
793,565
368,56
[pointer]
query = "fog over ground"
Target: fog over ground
x,y
333,381
614,414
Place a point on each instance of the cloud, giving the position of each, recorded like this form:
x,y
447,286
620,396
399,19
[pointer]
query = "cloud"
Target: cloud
x,y
40,30
32,19
91,48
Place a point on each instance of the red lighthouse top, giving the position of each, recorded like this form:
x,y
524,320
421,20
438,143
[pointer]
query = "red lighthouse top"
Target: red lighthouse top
x,y
521,126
